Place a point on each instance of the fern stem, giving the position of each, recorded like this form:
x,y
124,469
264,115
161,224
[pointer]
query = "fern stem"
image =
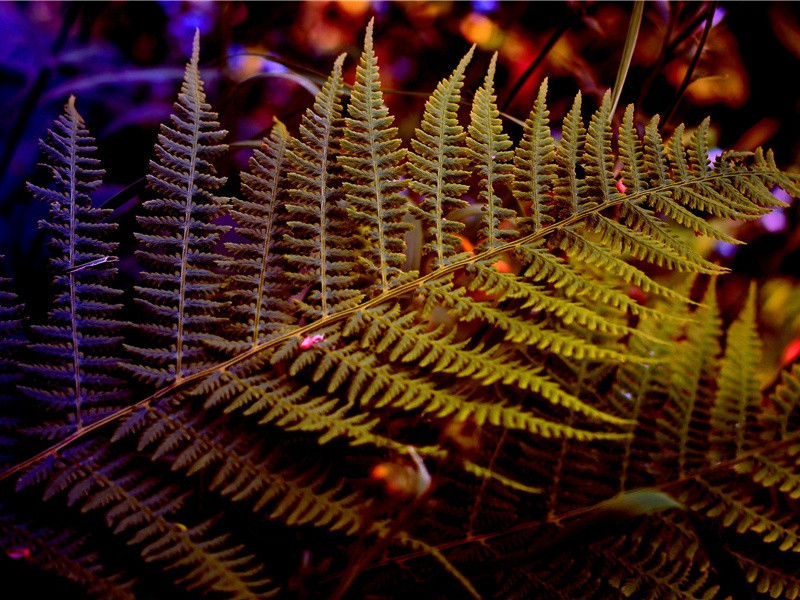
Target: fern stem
x,y
76,365
267,243
187,215
396,292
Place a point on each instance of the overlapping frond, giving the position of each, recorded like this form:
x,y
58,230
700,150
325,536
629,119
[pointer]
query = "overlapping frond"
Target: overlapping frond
x,y
75,370
181,285
692,380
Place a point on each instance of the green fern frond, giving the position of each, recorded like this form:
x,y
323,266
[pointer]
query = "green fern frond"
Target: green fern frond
x,y
180,291
570,189
600,164
549,363
437,166
137,504
240,472
382,385
738,398
786,398
372,157
692,380
534,166
767,580
322,242
489,149
257,290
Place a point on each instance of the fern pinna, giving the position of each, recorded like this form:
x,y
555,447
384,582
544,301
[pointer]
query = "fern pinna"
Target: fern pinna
x,y
391,431
180,295
73,368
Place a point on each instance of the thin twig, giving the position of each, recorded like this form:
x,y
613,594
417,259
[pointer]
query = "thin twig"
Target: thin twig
x,y
562,29
688,77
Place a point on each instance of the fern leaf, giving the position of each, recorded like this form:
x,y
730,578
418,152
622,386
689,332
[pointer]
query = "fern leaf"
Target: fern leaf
x,y
179,292
738,397
692,379
322,241
243,472
64,553
600,164
437,165
787,400
11,344
257,291
489,148
139,505
78,350
372,158
534,168
570,189
386,386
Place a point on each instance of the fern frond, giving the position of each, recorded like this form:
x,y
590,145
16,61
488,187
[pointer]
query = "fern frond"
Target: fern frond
x,y
78,350
553,270
489,149
738,398
139,505
599,165
242,471
257,290
180,291
787,401
437,165
534,168
322,241
410,342
12,342
570,189
382,385
768,580
518,329
692,381
63,552
735,508
538,298
372,158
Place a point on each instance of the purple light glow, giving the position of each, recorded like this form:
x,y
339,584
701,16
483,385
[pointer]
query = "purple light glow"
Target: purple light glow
x,y
725,249
485,6
774,221
782,195
714,154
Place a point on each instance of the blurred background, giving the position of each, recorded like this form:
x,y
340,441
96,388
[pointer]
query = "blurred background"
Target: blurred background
x,y
124,62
